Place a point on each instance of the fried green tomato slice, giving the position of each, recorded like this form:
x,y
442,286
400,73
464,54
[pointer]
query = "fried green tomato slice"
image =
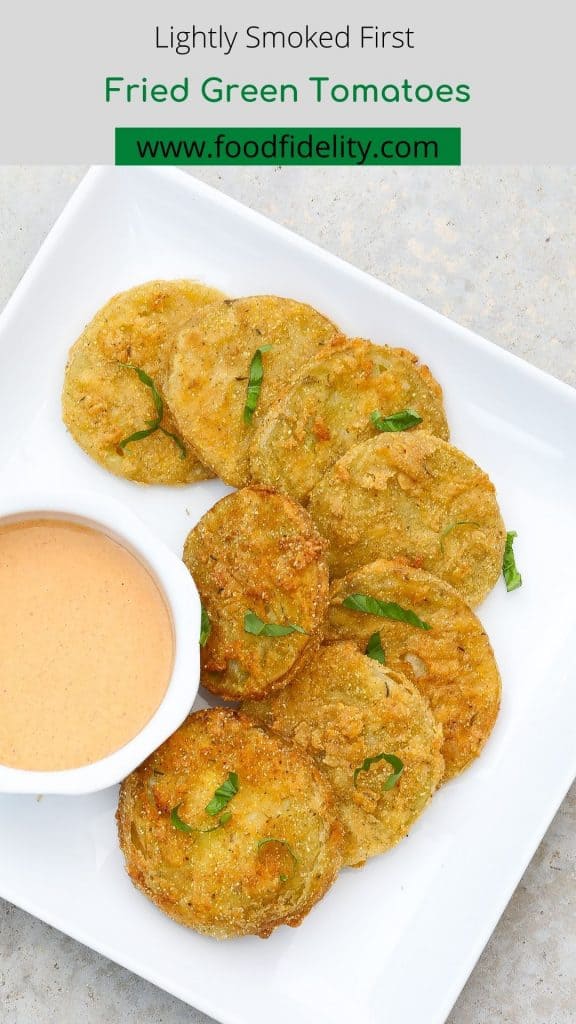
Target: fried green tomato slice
x,y
332,405
258,342
414,498
347,711
259,563
103,400
229,830
451,663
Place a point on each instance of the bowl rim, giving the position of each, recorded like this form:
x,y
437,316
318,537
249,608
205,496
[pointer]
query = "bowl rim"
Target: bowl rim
x,y
117,521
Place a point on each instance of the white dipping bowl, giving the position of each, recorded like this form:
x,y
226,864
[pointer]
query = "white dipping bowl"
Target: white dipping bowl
x,y
177,587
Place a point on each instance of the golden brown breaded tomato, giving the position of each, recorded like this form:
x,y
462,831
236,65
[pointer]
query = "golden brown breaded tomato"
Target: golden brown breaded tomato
x,y
414,498
208,386
348,711
256,553
104,402
229,830
452,663
332,405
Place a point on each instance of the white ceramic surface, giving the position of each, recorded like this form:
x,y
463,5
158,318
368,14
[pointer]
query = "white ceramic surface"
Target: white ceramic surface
x,y
396,940
114,519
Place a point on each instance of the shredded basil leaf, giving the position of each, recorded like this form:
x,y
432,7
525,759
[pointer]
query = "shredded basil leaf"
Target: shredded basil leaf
x,y
375,650
452,526
403,420
139,435
152,425
177,441
385,609
145,379
255,378
156,396
283,878
257,627
512,577
392,760
223,794
177,822
205,626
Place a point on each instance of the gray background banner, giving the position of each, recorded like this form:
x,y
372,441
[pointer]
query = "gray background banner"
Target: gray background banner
x,y
516,57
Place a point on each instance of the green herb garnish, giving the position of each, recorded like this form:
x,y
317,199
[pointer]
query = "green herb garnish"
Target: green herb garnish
x,y
375,650
139,435
257,627
255,377
205,626
511,575
392,760
156,396
151,425
404,420
385,609
221,798
452,526
397,421
223,795
177,441
177,822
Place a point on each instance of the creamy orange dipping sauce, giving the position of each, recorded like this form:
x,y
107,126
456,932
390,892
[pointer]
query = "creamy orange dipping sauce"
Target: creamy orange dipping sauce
x,y
86,645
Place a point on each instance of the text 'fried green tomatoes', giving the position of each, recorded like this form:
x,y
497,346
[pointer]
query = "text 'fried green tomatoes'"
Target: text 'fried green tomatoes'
x,y
231,363
105,402
371,733
229,830
260,568
340,398
415,498
451,662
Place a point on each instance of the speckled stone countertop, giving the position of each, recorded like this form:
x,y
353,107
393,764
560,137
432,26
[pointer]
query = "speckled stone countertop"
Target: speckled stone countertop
x,y
495,249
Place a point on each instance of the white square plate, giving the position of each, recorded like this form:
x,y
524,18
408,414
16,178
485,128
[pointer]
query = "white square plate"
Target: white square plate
x,y
396,940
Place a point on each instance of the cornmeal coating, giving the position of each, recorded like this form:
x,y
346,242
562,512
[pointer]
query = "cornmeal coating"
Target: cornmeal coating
x,y
103,400
342,707
328,409
264,859
452,663
417,499
208,385
256,551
